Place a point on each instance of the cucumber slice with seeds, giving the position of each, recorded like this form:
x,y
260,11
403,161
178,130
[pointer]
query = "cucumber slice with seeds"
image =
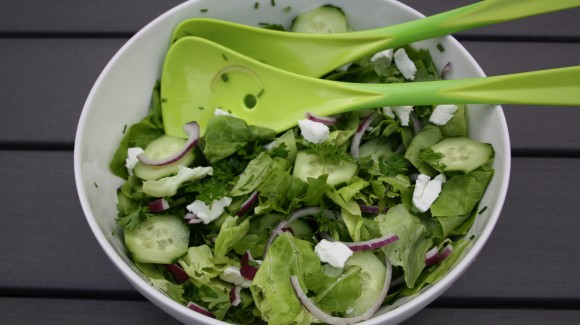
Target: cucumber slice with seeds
x,y
159,239
160,148
461,154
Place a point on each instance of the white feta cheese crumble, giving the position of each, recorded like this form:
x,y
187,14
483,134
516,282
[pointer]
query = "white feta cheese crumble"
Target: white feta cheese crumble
x,y
314,132
442,114
206,213
232,275
132,160
388,111
333,253
385,56
426,191
218,111
405,65
403,113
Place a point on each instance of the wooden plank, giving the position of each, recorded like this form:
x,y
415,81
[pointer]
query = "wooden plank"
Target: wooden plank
x,y
73,16
49,79
128,16
529,255
44,84
46,239
49,311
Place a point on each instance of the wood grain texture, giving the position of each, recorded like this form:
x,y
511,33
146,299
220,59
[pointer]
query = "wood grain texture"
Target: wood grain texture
x,y
110,16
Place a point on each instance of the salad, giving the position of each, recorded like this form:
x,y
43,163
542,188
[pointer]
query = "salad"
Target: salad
x,y
325,222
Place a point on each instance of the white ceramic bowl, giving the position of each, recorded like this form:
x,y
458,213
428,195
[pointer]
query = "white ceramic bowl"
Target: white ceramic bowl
x,y
121,96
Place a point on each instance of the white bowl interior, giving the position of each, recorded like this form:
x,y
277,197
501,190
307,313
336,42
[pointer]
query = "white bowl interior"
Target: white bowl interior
x,y
121,94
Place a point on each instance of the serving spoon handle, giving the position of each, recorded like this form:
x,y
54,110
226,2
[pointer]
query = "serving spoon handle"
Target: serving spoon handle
x,y
317,54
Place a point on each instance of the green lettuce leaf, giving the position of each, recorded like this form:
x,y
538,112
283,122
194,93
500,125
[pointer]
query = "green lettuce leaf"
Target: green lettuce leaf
x,y
414,241
271,289
336,290
280,192
459,195
254,175
201,265
230,233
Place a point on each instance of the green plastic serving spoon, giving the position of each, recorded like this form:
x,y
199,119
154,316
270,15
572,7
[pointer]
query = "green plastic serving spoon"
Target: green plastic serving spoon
x,y
199,76
325,52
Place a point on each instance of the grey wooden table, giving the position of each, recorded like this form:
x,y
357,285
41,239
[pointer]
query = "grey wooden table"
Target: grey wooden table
x,y
52,270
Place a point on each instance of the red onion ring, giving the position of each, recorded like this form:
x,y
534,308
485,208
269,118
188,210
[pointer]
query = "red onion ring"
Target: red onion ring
x,y
248,204
192,130
246,270
235,295
356,139
177,272
445,70
329,319
321,119
158,205
367,244
446,252
296,215
195,307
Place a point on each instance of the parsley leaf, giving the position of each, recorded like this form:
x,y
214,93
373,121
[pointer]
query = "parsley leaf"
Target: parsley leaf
x,y
393,165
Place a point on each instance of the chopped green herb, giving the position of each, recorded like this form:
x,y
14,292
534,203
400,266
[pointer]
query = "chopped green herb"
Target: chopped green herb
x,y
125,129
96,185
225,77
201,108
273,2
256,5
164,100
260,93
440,48
224,56
482,210
264,24
203,10
393,165
287,9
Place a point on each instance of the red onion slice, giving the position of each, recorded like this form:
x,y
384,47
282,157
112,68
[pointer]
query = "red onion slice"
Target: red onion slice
x,y
248,204
329,319
235,295
177,272
296,215
372,209
367,244
192,131
195,307
446,252
356,139
445,70
192,218
432,256
158,205
247,270
321,119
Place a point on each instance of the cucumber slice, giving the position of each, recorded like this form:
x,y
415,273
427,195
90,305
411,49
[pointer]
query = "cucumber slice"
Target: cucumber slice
x,y
326,19
461,154
163,147
311,165
373,274
159,239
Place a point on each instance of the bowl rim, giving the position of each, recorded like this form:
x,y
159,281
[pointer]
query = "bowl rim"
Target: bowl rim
x,y
181,312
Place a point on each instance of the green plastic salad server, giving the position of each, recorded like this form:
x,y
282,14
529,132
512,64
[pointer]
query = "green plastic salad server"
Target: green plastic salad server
x,y
199,76
325,52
